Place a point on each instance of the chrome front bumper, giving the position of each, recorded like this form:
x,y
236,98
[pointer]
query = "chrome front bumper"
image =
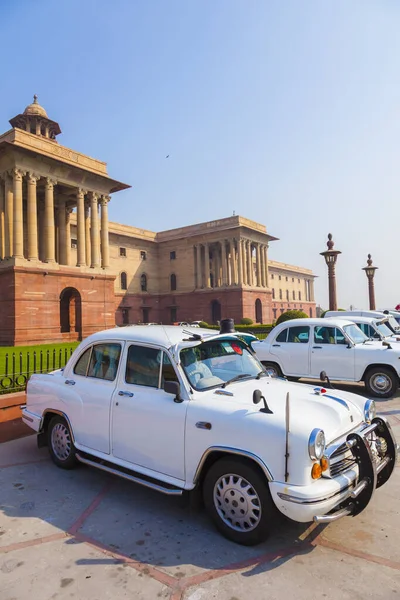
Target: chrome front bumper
x,y
371,474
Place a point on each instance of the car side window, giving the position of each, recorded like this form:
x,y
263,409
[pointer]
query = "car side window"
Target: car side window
x,y
282,337
328,335
104,361
168,372
143,366
299,334
364,328
82,364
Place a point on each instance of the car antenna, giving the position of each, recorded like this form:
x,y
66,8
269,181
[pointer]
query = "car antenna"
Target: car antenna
x,y
193,336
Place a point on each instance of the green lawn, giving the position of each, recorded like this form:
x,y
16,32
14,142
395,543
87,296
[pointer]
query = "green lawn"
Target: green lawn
x,y
45,357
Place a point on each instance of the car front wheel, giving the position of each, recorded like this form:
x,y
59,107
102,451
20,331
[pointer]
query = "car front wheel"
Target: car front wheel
x,y
59,440
272,369
381,382
237,498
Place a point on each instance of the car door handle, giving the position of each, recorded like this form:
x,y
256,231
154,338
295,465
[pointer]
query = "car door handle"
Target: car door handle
x,y
121,393
276,345
317,347
69,382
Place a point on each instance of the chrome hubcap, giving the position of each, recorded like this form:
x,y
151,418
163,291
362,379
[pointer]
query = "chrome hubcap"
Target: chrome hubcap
x,y
381,383
61,441
271,371
237,503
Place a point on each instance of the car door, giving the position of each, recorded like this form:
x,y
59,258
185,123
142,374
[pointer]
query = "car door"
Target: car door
x,y
92,381
291,347
330,353
147,425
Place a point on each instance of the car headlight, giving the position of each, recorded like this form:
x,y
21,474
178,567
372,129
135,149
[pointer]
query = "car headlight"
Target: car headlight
x,y
316,444
369,411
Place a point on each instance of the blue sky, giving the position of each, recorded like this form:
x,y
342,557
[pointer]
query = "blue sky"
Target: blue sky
x,y
287,113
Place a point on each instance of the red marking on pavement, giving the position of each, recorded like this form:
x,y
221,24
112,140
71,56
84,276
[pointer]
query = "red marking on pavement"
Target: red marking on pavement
x,y
22,464
34,542
144,568
90,509
379,560
176,595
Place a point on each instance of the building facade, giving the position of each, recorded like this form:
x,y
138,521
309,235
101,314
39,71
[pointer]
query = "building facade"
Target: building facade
x,y
65,271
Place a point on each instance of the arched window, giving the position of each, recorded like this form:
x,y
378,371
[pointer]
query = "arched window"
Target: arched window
x,y
280,294
143,282
258,307
299,295
123,281
294,295
173,282
273,292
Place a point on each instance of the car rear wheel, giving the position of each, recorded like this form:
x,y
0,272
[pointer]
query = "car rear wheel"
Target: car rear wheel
x,y
381,382
59,440
238,500
272,369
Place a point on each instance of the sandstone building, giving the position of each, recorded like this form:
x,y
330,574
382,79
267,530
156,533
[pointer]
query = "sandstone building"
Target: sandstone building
x,y
65,271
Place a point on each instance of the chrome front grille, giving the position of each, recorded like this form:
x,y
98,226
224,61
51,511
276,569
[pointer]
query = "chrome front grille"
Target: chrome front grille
x,y
342,463
342,459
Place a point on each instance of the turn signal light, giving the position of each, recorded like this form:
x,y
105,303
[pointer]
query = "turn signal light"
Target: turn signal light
x,y
324,464
316,471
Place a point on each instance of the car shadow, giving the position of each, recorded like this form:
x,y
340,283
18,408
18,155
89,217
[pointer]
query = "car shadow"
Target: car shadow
x,y
136,523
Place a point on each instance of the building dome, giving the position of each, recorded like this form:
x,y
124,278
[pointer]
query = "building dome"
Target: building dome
x,y
35,109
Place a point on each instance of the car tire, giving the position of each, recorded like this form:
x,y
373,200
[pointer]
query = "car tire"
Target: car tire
x,y
272,368
60,443
238,500
381,382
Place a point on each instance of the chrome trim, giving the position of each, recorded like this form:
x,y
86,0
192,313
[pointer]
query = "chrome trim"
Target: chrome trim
x,y
345,492
382,464
57,412
27,418
229,450
223,393
344,512
311,444
132,478
359,488
367,408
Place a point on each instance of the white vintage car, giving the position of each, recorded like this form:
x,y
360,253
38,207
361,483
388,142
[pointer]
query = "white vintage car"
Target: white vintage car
x,y
192,410
305,347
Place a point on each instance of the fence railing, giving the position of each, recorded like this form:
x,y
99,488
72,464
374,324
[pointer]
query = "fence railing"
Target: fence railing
x,y
17,367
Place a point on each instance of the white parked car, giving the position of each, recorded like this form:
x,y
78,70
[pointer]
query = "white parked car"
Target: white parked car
x,y
350,314
375,329
194,411
305,347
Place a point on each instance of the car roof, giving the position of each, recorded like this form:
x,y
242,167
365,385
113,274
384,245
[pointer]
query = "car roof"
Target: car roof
x,y
322,322
360,319
160,335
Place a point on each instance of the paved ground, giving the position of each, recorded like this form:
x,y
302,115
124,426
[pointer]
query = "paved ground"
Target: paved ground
x,y
84,535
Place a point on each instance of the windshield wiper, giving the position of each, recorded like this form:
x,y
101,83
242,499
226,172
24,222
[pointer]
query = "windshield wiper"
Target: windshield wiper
x,y
260,374
236,378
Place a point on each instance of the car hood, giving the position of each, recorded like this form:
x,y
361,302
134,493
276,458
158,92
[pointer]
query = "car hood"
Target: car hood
x,y
335,412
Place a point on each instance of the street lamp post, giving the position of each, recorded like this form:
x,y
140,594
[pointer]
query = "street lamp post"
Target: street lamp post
x,y
370,273
330,257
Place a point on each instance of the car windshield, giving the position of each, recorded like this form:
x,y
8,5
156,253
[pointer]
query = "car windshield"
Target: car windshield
x,y
384,329
217,362
355,334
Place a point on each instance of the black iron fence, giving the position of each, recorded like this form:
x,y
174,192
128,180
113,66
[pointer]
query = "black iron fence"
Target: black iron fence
x,y
17,367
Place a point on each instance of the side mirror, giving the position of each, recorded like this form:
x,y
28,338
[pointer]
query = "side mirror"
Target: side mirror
x,y
324,377
174,388
257,397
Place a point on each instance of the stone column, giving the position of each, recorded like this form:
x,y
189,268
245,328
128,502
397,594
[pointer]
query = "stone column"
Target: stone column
x,y
2,208
312,299
216,263
266,265
68,236
94,231
8,215
62,230
240,263
199,278
105,248
87,233
37,127
33,249
41,229
81,262
224,262
249,264
258,264
207,264
233,262
18,218
49,225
